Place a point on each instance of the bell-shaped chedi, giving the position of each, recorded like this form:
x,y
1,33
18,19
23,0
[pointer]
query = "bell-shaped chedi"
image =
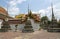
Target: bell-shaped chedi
x,y
53,26
28,26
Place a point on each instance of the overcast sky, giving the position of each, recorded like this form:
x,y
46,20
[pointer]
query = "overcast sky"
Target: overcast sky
x,y
42,7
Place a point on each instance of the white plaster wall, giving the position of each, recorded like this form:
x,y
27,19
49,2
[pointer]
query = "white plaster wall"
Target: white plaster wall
x,y
1,23
12,27
19,27
35,25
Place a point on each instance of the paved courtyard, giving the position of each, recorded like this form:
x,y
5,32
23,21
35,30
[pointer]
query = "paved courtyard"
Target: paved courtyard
x,y
42,34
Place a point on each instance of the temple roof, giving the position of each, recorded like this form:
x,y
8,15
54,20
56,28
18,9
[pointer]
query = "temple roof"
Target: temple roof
x,y
3,11
35,17
15,21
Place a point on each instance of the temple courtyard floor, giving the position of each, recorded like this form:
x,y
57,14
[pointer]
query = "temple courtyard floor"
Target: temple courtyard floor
x,y
42,34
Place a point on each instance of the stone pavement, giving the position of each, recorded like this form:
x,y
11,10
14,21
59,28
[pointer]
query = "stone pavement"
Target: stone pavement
x,y
39,35
42,34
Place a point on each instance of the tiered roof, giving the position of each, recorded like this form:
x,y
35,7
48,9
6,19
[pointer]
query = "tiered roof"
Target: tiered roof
x,y
3,13
35,17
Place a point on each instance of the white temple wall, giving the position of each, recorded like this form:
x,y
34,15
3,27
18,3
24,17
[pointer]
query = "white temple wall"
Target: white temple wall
x,y
1,23
12,27
36,26
19,27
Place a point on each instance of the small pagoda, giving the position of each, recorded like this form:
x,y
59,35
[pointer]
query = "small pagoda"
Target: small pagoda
x,y
28,27
53,26
4,17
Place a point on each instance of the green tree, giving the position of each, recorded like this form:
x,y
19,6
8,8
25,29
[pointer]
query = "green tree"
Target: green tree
x,y
59,23
44,18
44,22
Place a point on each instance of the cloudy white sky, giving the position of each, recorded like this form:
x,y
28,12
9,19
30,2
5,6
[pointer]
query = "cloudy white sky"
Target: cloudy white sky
x,y
42,7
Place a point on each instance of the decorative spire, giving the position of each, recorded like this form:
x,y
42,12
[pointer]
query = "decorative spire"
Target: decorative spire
x,y
28,9
7,8
53,18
